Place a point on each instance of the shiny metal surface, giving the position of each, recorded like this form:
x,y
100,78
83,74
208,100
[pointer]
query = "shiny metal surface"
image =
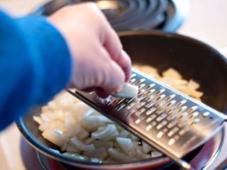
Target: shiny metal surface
x,y
157,132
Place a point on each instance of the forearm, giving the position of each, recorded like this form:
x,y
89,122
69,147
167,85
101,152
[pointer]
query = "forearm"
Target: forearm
x,y
35,64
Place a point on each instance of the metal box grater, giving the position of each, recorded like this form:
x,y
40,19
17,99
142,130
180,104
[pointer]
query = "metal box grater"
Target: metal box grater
x,y
168,120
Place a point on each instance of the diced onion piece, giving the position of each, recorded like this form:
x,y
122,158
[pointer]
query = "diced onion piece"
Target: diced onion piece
x,y
38,120
124,133
126,145
145,147
133,137
81,133
140,154
172,73
69,147
196,94
80,145
193,85
100,153
77,110
52,105
149,70
155,154
92,122
71,126
105,133
101,143
44,117
55,136
89,140
119,156
51,125
45,109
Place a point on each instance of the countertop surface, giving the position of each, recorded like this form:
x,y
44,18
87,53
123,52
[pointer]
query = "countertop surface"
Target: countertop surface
x,y
206,21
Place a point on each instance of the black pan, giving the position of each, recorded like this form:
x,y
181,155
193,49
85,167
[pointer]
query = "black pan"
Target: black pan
x,y
193,59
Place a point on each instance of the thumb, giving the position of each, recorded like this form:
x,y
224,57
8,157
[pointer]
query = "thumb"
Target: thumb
x,y
114,48
114,80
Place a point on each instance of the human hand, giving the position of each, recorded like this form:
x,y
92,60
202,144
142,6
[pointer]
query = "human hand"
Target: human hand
x,y
99,61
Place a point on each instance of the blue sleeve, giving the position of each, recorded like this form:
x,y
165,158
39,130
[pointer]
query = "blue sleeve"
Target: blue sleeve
x,y
35,64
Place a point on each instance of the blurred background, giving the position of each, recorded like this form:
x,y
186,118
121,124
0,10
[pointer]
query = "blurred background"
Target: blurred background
x,y
206,19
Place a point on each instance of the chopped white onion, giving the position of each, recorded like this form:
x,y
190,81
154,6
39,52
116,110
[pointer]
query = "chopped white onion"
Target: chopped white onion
x,y
126,145
92,122
79,145
55,136
83,133
145,147
119,156
105,133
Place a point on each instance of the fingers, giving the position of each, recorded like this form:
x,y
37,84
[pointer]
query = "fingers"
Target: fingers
x,y
113,77
105,71
101,93
114,48
126,64
115,83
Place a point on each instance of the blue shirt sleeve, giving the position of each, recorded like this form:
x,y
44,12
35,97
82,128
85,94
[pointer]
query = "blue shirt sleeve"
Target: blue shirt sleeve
x,y
35,64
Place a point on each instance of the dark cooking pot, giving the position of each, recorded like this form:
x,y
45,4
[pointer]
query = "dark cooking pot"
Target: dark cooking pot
x,y
193,59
